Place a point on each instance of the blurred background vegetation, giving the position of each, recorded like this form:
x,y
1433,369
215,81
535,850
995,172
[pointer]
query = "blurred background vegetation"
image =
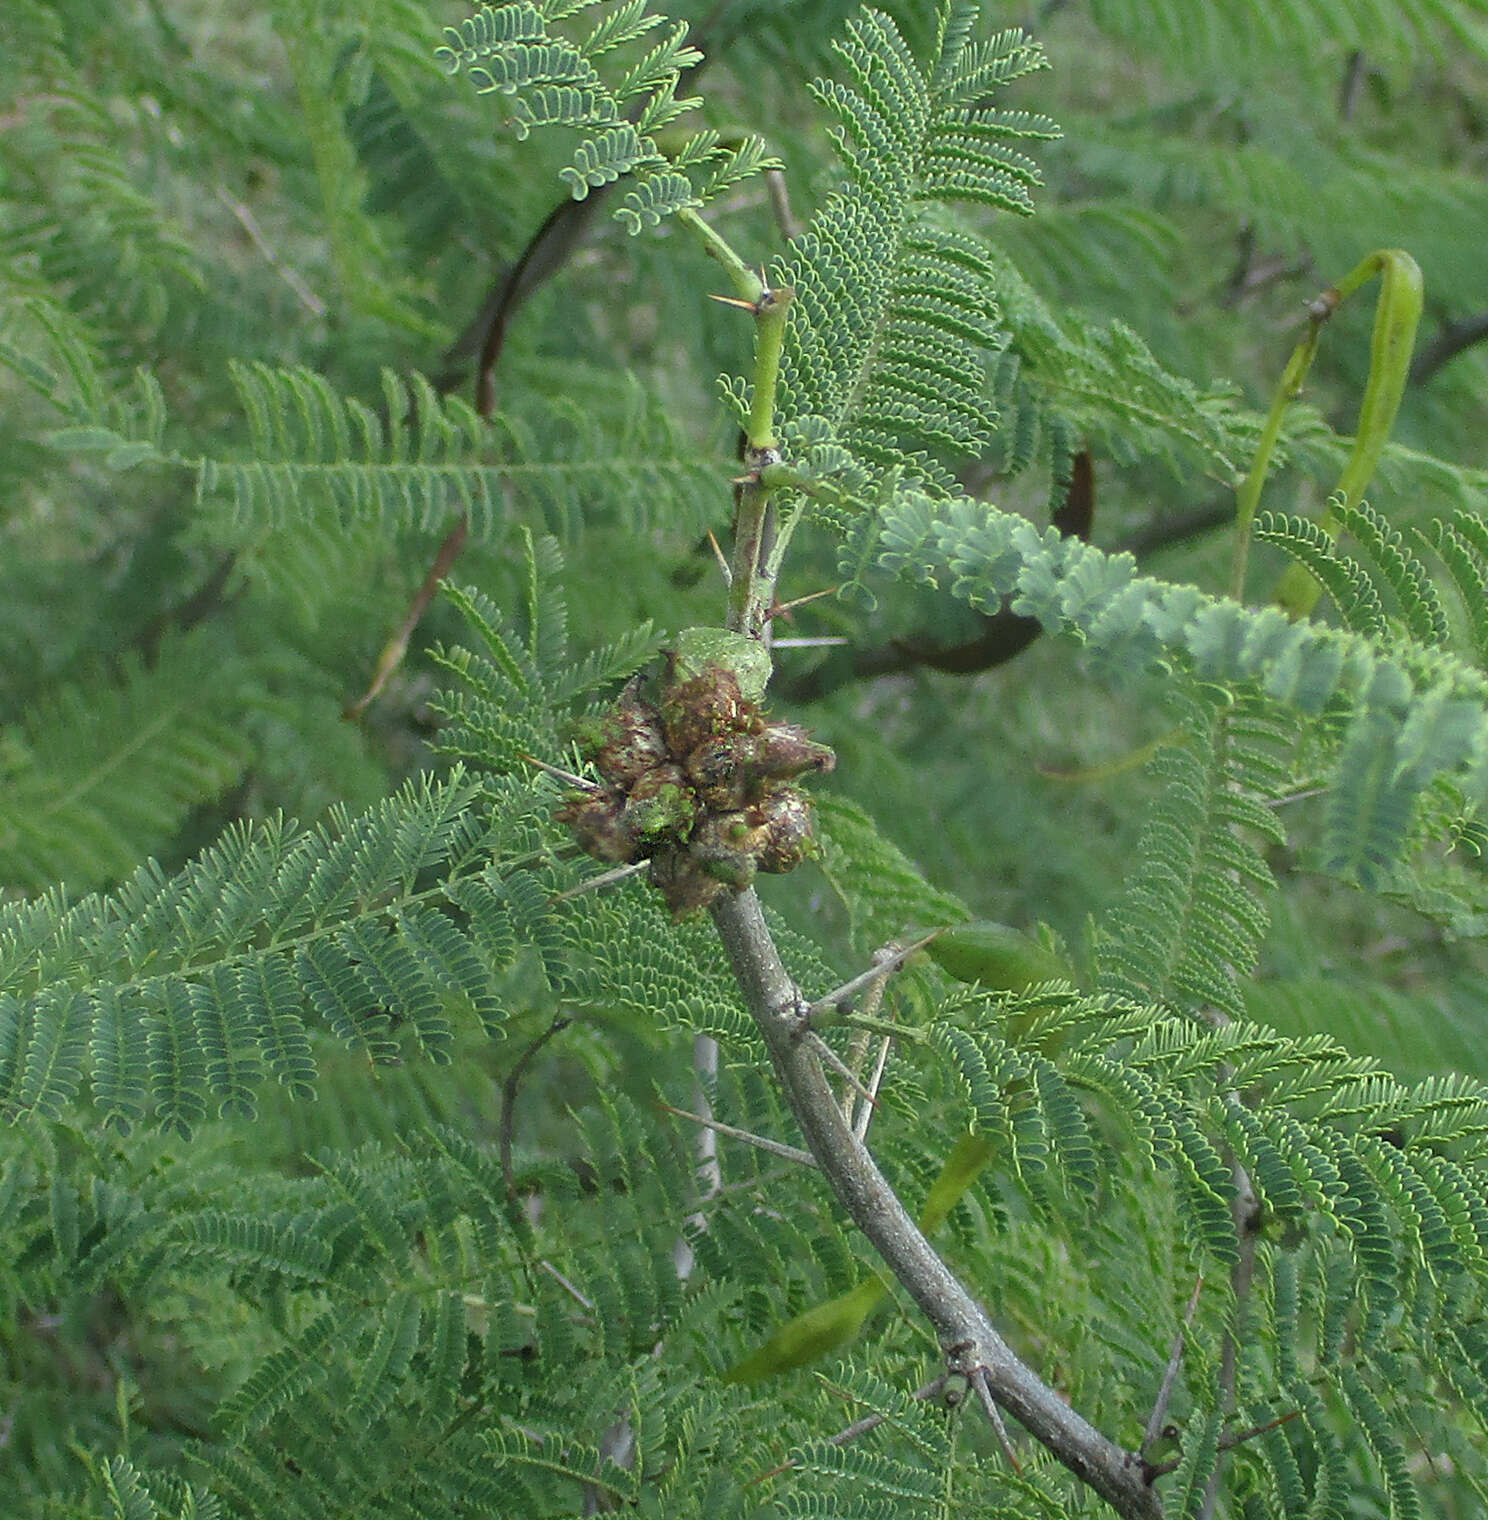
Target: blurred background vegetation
x,y
184,184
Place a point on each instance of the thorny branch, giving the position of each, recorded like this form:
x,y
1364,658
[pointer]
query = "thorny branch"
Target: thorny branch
x,y
971,1343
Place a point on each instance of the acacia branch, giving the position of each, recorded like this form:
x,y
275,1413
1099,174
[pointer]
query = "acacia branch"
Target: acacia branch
x,y
970,1341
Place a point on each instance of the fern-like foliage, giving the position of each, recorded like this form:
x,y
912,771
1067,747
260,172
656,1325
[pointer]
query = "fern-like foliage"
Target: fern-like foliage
x,y
617,80
104,772
315,460
1189,925
891,330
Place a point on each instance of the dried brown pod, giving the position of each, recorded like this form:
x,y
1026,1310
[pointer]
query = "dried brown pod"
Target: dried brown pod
x,y
661,805
625,742
786,819
705,706
599,826
725,846
684,884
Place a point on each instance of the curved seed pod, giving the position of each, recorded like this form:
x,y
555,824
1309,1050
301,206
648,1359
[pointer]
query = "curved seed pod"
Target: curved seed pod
x,y
996,956
828,1327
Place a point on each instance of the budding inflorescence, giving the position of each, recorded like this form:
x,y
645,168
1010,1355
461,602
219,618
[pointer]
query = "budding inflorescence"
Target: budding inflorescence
x,y
699,783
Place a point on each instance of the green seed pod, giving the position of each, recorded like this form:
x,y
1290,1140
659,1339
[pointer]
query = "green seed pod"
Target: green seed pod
x,y
828,1327
996,956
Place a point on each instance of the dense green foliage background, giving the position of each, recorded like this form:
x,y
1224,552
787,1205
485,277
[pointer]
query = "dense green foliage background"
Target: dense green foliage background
x,y
184,615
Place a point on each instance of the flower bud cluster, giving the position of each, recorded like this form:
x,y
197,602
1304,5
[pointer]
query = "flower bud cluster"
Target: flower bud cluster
x,y
699,784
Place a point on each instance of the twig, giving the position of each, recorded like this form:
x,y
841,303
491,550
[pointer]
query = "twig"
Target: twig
x,y
994,1415
397,646
1170,1374
509,1098
774,1147
1228,1440
780,204
1453,339
969,1338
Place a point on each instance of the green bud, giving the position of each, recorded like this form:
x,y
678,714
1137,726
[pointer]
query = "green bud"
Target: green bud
x,y
695,649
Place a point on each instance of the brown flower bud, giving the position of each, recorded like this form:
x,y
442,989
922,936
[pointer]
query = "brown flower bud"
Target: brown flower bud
x,y
725,845
706,706
713,769
785,750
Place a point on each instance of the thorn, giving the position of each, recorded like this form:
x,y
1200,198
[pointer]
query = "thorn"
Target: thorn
x,y
564,1283
994,1415
552,770
881,968
751,479
604,879
801,601
750,306
843,1070
1170,1374
819,643
723,564
774,1147
865,1113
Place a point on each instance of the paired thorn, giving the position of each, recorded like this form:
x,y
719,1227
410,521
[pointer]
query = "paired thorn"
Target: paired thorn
x,y
752,307
930,1390
1228,1441
722,558
582,782
843,1070
604,879
773,1147
890,962
1170,1374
